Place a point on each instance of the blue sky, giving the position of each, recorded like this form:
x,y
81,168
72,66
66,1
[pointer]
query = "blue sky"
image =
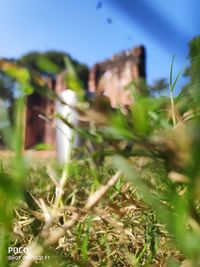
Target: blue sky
x,y
77,27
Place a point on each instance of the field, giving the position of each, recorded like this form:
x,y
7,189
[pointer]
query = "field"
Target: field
x,y
129,197
111,227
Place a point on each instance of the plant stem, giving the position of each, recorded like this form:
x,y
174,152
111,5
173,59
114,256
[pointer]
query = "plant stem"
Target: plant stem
x,y
172,107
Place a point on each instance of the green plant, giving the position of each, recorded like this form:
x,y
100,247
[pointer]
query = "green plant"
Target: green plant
x,y
131,201
11,188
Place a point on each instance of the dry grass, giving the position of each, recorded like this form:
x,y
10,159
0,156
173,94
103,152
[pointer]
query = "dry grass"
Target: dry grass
x,y
101,220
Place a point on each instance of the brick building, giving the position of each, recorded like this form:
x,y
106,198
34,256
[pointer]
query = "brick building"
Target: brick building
x,y
112,76
108,78
39,130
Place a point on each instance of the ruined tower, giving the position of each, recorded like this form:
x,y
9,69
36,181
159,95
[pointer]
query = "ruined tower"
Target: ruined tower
x,y
110,77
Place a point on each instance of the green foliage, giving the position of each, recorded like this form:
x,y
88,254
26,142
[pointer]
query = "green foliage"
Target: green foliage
x,y
53,62
42,146
133,197
191,90
6,86
46,65
40,61
20,75
193,70
11,185
72,80
159,85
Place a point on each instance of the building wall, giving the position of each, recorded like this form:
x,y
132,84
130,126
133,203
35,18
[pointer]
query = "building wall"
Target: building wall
x,y
39,130
112,76
35,127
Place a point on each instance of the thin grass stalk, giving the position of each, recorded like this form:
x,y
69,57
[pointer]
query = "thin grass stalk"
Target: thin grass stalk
x,y
171,87
64,177
172,107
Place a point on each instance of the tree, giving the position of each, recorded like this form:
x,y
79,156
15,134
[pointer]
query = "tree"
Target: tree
x,y
194,55
7,84
53,62
191,90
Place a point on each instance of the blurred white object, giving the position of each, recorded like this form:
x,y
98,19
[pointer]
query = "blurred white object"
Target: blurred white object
x,y
66,138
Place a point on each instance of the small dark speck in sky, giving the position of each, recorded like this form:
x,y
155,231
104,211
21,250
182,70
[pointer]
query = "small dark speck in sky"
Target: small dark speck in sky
x,y
109,20
99,5
130,37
